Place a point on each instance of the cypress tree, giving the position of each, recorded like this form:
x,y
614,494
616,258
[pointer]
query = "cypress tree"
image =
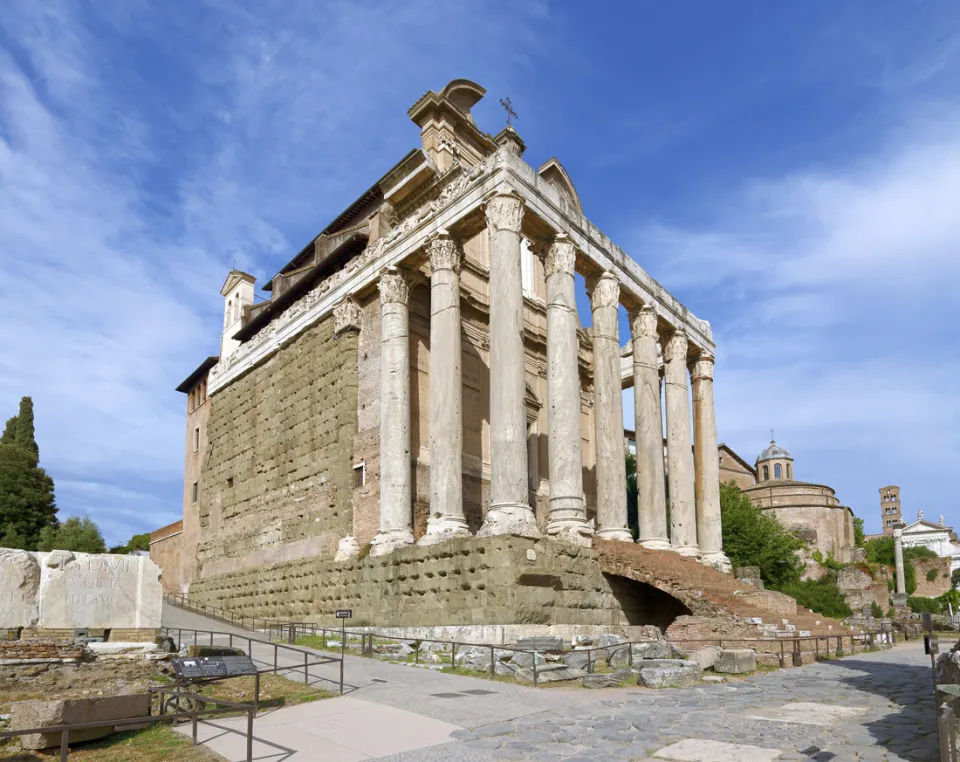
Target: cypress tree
x,y
27,503
10,431
26,436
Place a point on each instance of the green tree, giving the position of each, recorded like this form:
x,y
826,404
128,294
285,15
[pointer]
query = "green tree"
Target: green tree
x,y
11,538
875,611
26,436
858,534
10,432
74,534
27,503
752,537
955,578
920,604
951,597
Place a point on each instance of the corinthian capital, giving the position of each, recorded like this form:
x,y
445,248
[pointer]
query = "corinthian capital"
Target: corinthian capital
x,y
445,252
561,256
702,369
394,286
604,291
676,347
504,212
643,322
346,316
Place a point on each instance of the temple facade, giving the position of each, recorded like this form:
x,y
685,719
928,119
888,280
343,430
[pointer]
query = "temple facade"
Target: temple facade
x,y
419,375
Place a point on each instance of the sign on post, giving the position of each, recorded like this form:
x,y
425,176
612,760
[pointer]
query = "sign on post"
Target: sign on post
x,y
931,645
344,614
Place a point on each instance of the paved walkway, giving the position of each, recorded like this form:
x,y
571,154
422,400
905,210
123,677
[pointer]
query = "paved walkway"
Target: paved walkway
x,y
869,707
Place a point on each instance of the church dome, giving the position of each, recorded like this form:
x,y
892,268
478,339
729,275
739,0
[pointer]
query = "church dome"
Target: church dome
x,y
774,452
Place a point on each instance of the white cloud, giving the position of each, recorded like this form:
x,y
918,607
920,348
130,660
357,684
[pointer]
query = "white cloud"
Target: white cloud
x,y
142,151
832,295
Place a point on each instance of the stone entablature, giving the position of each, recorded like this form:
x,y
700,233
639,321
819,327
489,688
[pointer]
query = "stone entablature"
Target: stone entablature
x,y
462,191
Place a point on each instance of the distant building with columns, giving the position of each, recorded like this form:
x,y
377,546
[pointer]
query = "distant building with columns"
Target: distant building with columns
x,y
418,375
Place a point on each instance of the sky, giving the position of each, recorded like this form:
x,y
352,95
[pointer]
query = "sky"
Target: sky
x,y
789,171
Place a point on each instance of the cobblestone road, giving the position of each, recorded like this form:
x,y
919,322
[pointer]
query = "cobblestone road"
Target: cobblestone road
x,y
870,707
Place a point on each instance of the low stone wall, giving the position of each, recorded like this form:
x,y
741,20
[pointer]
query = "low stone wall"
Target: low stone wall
x,y
27,652
472,581
771,601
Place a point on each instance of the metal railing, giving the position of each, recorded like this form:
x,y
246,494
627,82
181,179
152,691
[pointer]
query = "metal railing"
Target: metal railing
x,y
253,623
229,707
818,645
292,651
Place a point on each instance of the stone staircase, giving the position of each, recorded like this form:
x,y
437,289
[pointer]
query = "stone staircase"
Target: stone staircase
x,y
720,605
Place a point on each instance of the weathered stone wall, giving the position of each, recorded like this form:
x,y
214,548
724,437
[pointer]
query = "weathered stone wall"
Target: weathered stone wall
x,y
940,583
278,479
196,443
166,551
473,581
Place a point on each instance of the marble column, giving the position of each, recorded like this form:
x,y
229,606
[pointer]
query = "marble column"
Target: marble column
x,y
648,424
396,504
898,559
683,516
347,317
509,511
446,518
608,411
568,511
707,466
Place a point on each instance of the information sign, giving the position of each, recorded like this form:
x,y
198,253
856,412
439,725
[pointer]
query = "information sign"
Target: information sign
x,y
344,613
205,667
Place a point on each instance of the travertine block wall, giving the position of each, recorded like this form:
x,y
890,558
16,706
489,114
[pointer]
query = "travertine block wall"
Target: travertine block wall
x,y
278,477
473,581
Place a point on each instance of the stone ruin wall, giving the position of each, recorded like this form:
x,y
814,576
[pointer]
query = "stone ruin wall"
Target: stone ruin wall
x,y
940,584
833,525
496,580
278,477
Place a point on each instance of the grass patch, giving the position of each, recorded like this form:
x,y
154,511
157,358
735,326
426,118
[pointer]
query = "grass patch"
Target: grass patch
x,y
158,743
275,691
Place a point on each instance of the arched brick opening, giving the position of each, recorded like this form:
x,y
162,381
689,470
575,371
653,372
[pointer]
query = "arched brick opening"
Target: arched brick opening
x,y
645,604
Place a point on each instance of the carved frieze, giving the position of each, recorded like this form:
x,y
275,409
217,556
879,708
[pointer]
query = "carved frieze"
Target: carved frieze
x,y
346,316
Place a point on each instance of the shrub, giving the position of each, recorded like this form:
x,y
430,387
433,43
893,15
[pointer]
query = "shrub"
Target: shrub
x,y
931,575
821,595
875,610
920,604
752,537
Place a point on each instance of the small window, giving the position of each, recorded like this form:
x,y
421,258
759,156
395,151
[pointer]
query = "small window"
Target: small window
x,y
359,475
196,489
196,439
777,471
766,472
789,475
229,482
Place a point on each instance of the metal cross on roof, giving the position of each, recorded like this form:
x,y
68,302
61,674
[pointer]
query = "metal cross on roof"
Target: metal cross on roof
x,y
508,107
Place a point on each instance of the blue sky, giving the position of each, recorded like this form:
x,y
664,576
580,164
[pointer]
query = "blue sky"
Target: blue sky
x,y
790,171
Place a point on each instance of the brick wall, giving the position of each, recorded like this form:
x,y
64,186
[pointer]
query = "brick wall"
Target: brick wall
x,y
940,583
22,650
277,476
166,551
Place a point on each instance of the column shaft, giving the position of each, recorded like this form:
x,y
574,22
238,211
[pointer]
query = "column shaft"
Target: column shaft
x,y
396,505
509,511
446,395
898,560
651,490
608,412
683,519
707,466
568,512
347,319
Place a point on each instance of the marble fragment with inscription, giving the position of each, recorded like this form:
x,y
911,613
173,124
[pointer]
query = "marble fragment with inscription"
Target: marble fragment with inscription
x,y
19,588
98,591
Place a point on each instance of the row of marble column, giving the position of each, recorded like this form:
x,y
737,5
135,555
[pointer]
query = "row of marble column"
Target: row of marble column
x,y
693,474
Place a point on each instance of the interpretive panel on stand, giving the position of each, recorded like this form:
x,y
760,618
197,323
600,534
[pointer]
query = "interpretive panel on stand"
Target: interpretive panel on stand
x,y
203,667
